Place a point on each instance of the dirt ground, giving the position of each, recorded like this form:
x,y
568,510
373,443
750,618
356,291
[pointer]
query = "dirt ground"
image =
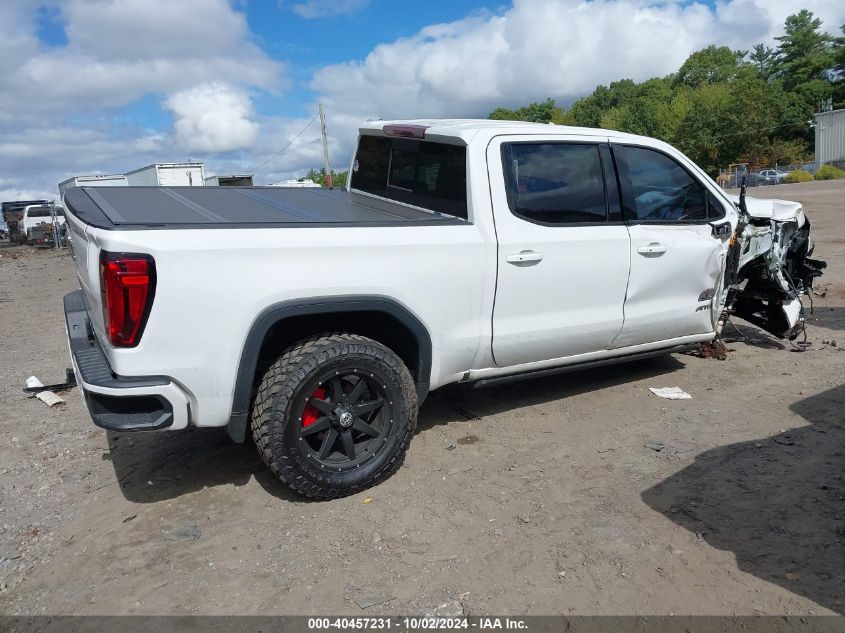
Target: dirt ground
x,y
537,497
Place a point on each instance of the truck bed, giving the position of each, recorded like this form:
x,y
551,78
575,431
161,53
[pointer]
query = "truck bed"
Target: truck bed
x,y
127,208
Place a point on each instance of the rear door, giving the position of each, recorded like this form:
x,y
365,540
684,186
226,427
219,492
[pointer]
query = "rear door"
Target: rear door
x,y
679,239
563,249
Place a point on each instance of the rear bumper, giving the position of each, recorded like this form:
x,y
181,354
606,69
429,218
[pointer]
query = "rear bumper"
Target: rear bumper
x,y
118,403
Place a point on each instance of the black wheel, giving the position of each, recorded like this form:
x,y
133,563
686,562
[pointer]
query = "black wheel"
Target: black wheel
x,y
334,415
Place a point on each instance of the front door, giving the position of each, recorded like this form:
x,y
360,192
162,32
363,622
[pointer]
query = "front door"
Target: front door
x,y
563,252
679,238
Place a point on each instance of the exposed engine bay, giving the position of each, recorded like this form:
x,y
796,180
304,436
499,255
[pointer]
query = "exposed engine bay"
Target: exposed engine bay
x,y
769,266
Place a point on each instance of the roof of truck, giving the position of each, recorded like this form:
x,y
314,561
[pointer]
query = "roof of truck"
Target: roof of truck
x,y
467,129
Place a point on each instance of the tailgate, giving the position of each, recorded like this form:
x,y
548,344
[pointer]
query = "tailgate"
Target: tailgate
x,y
86,255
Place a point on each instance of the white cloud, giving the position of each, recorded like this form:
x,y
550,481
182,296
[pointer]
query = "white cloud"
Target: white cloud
x,y
212,117
325,8
541,48
305,152
120,50
538,49
145,29
39,159
15,193
117,52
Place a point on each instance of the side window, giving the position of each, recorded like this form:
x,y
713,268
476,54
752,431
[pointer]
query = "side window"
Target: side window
x,y
369,171
422,173
661,190
555,183
715,208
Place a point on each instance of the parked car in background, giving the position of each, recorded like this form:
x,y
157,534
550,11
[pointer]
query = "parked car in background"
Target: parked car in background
x,y
734,179
772,176
36,215
4,230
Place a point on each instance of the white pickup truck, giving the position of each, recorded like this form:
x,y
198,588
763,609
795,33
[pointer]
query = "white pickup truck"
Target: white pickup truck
x,y
461,251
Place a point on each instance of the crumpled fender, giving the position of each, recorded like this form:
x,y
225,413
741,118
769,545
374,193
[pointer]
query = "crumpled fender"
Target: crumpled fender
x,y
772,267
777,210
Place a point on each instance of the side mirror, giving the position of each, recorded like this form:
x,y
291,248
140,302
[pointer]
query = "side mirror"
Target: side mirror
x,y
721,231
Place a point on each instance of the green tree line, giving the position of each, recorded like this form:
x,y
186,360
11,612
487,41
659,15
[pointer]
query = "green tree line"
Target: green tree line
x,y
319,176
723,106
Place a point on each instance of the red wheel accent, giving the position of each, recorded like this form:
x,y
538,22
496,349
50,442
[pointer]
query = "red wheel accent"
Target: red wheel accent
x,y
311,414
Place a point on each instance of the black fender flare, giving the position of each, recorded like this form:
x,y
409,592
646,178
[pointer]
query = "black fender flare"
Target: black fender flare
x,y
275,313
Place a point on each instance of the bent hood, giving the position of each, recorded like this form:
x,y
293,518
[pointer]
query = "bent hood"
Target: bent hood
x,y
777,210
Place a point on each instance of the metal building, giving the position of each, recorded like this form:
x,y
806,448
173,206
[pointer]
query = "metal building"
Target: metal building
x,y
830,138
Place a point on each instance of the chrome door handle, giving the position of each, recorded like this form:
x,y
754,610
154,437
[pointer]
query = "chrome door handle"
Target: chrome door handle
x,y
524,257
655,248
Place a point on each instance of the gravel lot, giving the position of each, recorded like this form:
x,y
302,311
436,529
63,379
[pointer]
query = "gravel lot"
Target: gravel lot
x,y
533,498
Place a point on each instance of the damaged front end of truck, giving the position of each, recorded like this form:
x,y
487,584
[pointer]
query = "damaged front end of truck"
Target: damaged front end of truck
x,y
770,266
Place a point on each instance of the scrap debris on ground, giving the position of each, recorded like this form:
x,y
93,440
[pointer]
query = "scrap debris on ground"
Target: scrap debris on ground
x,y
43,393
715,349
670,393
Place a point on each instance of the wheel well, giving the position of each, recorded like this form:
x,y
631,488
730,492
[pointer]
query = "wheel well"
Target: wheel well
x,y
282,325
379,326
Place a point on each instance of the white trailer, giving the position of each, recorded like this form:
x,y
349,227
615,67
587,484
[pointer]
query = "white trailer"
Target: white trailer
x,y
167,175
111,180
231,180
301,182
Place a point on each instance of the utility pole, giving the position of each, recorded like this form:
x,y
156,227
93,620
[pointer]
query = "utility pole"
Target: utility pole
x,y
325,147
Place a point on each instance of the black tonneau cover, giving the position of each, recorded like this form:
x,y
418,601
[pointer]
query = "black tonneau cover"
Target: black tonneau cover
x,y
122,208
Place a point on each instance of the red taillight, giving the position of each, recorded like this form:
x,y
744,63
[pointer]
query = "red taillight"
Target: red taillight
x,y
127,287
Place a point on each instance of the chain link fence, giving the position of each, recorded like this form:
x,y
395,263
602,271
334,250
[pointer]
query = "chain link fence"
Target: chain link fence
x,y
730,177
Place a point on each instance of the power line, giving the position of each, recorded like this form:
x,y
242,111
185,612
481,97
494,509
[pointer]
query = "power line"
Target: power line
x,y
255,169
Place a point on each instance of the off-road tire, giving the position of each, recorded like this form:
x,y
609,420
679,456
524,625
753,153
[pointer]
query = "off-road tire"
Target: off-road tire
x,y
287,384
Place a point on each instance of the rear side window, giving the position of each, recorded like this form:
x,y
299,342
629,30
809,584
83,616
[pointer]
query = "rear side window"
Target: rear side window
x,y
555,183
39,213
661,190
369,171
422,173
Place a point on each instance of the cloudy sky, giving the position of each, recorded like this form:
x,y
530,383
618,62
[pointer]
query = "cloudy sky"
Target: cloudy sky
x,y
105,86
